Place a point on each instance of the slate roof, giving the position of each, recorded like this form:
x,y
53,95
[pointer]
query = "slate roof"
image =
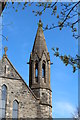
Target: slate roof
x,y
39,43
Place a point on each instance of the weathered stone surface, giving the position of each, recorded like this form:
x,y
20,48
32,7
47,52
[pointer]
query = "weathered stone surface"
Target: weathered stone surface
x,y
7,69
34,101
41,86
18,90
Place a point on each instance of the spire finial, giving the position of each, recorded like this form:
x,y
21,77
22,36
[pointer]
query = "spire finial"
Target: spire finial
x,y
5,50
40,24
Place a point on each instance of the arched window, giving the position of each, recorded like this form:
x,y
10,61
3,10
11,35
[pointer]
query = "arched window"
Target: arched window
x,y
36,70
43,70
4,99
5,69
15,109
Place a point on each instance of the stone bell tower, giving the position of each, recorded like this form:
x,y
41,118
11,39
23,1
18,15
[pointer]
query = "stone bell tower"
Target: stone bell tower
x,y
39,69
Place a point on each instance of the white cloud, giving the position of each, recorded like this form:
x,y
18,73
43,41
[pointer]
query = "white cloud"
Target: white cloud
x,y
63,110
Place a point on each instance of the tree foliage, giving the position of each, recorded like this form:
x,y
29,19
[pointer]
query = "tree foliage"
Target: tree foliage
x,y
67,16
76,115
74,62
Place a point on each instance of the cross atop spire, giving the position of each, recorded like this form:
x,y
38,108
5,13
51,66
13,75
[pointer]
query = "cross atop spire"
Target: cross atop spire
x,y
40,24
5,50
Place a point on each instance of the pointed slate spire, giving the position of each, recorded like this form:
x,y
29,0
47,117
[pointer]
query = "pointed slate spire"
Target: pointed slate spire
x,y
39,44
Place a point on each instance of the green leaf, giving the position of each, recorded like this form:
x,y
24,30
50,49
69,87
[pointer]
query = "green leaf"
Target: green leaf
x,y
61,57
75,29
25,3
66,64
56,54
55,8
57,16
57,49
74,68
53,49
40,13
46,27
60,28
16,10
12,2
29,4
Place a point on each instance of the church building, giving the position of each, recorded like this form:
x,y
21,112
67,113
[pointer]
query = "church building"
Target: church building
x,y
17,99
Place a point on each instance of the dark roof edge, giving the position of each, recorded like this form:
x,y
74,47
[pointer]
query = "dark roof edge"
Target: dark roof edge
x,y
46,104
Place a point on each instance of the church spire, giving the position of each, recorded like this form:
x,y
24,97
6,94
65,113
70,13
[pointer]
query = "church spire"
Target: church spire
x,y
39,44
39,68
39,63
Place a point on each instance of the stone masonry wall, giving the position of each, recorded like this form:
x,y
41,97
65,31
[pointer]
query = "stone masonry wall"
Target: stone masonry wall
x,y
17,90
29,105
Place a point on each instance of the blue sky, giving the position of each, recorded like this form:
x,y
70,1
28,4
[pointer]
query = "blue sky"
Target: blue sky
x,y
21,28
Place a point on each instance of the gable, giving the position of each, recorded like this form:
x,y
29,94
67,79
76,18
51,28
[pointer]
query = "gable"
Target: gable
x,y
35,57
7,69
11,73
44,56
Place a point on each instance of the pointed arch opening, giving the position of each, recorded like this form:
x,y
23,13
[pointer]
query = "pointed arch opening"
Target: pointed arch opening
x,y
36,71
43,70
3,101
15,109
5,69
30,73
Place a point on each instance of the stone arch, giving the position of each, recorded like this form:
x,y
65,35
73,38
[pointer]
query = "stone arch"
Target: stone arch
x,y
36,57
15,109
44,71
3,90
43,68
44,57
3,100
36,70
